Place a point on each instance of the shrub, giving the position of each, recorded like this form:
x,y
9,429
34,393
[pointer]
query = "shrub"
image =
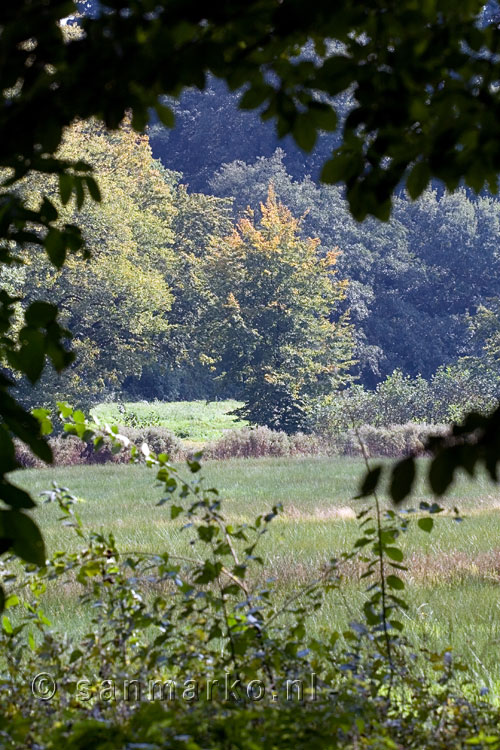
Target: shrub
x,y
69,450
161,440
249,443
131,418
94,688
307,445
25,458
258,442
470,384
393,441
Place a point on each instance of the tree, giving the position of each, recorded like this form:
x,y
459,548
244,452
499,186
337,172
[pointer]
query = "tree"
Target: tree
x,y
177,374
116,304
425,269
485,328
270,322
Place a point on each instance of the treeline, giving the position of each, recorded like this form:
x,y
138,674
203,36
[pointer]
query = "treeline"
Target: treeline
x,y
223,294
413,281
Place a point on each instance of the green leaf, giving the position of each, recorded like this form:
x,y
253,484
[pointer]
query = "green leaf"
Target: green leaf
x,y
65,409
402,479
40,314
394,582
43,417
80,194
426,524
394,553
15,496
304,131
323,115
418,179
165,115
65,187
206,533
11,601
442,470
48,211
397,625
27,541
255,96
370,482
7,626
93,189
55,246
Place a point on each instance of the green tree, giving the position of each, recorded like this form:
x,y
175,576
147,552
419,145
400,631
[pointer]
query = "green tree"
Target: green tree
x,y
485,328
116,303
269,322
176,373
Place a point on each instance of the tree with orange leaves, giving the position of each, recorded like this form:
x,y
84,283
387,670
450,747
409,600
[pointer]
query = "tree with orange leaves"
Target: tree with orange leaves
x,y
272,326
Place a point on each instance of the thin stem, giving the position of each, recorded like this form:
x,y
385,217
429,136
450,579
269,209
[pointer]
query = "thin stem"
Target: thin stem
x,y
383,587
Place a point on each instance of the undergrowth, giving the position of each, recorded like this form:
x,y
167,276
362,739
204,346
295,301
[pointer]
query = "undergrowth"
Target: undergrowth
x,y
194,651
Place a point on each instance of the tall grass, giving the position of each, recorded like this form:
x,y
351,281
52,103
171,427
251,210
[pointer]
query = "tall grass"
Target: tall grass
x,y
453,582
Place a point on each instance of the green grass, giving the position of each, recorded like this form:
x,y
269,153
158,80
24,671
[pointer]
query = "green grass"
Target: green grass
x,y
194,421
452,585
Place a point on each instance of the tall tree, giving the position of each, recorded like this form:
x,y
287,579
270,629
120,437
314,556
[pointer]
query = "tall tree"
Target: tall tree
x,y
116,303
435,261
270,325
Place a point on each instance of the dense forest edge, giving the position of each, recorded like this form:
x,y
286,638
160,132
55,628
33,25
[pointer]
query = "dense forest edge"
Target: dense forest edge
x,y
183,323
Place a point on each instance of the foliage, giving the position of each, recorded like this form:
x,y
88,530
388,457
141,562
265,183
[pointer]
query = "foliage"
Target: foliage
x,y
269,318
129,235
70,451
485,328
423,81
470,384
239,646
211,130
433,263
473,442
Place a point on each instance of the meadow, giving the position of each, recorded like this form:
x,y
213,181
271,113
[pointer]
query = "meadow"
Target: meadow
x,y
192,421
453,581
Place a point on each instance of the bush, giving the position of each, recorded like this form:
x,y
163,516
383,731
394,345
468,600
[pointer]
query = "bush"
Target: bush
x,y
259,442
470,384
393,441
161,440
25,458
70,451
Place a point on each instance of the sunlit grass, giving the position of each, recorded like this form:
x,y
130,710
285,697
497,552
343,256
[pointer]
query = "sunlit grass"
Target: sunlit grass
x,y
453,582
194,421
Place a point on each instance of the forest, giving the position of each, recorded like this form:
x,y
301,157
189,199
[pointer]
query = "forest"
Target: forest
x,y
180,313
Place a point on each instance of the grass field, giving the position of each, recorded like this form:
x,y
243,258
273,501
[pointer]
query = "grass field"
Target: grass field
x,y
193,421
453,584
